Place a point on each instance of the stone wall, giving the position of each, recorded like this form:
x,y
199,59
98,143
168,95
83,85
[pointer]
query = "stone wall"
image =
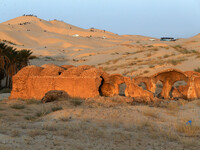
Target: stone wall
x,y
34,82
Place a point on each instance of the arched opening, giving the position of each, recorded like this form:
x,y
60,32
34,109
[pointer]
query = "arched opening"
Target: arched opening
x,y
179,83
176,86
122,88
142,85
100,91
159,86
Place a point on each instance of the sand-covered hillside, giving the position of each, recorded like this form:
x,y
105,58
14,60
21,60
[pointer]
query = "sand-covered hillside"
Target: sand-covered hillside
x,y
61,43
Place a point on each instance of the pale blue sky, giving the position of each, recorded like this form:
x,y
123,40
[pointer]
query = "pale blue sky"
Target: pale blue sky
x,y
176,18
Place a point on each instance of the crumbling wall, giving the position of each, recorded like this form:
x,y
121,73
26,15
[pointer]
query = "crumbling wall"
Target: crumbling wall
x,y
147,81
133,90
111,84
34,82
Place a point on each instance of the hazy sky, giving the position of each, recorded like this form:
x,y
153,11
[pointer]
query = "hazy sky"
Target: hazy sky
x,y
176,18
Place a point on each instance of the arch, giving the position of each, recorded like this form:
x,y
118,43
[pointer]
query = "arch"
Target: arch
x,y
122,88
110,85
168,78
158,90
178,90
147,81
143,85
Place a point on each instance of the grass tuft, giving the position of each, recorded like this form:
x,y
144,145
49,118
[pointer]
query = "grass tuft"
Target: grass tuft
x,y
18,106
56,108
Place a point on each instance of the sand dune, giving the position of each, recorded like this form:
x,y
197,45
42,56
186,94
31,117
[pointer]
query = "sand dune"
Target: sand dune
x,y
61,43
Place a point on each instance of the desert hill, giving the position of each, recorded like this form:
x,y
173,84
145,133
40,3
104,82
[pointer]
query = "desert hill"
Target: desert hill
x,y
61,43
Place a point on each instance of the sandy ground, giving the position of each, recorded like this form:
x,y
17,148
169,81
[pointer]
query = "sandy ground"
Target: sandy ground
x,y
103,123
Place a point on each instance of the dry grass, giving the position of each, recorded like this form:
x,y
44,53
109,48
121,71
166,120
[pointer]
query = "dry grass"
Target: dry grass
x,y
197,69
188,142
34,133
189,130
56,108
15,133
151,112
50,127
33,101
101,122
172,106
198,103
176,61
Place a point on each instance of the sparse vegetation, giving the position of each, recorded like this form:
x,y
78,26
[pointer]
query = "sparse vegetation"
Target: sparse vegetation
x,y
76,101
29,118
56,108
33,101
187,129
197,69
151,113
176,61
166,56
15,133
42,112
151,66
146,71
18,106
34,133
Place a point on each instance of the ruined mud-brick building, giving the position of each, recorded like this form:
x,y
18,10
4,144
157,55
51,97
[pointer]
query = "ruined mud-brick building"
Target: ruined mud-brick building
x,y
34,82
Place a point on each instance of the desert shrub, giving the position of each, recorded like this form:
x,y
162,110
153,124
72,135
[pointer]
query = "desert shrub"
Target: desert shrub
x,y
34,133
76,101
198,103
150,46
56,108
150,112
197,69
42,113
151,66
175,61
154,49
166,56
187,129
146,71
33,101
29,118
18,106
14,133
177,46
148,55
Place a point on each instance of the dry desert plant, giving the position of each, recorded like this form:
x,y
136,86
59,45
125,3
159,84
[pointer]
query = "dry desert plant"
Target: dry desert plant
x,y
34,133
56,108
197,69
151,112
18,106
15,133
188,129
33,101
198,103
188,142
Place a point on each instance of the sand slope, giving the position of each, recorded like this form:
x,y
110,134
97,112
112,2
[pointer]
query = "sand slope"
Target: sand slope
x,y
61,43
